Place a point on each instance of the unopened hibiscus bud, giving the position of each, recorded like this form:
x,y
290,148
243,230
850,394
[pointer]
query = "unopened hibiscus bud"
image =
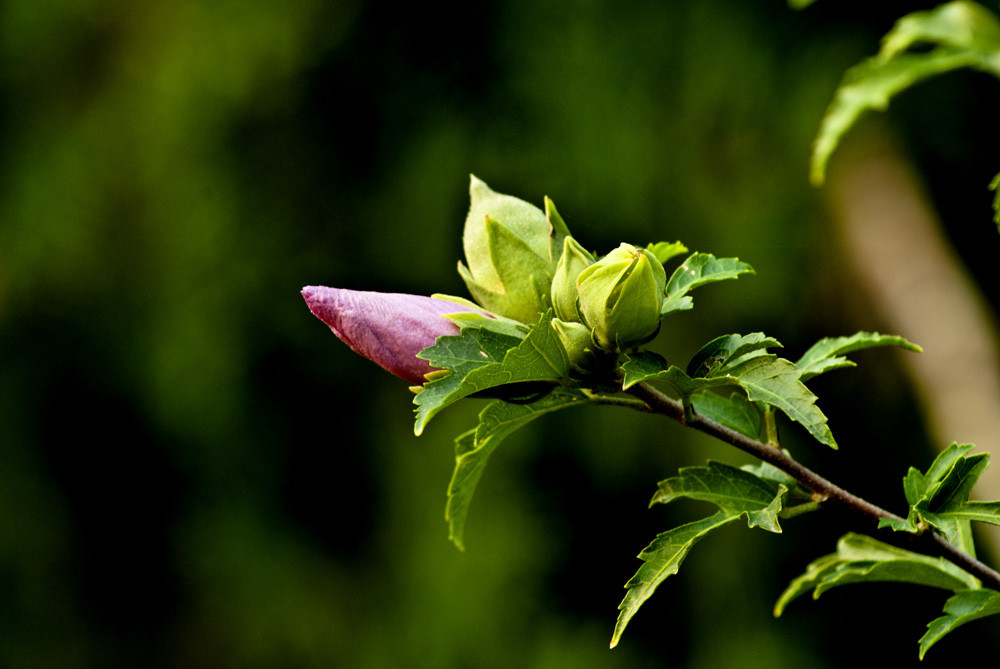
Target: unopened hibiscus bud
x,y
620,297
387,328
574,259
511,249
576,341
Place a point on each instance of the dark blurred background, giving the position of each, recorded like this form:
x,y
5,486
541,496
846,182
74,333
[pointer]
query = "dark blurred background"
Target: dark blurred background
x,y
194,472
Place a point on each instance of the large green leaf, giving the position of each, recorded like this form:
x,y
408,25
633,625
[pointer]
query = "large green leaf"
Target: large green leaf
x,y
827,354
962,607
473,448
960,34
736,492
479,359
698,270
861,559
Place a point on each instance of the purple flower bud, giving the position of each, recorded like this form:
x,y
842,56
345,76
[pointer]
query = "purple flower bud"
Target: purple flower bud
x,y
387,328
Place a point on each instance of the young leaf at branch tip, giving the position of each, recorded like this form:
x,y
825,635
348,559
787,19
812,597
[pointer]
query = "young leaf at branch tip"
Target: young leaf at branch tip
x,y
861,559
827,354
473,448
480,359
940,498
962,607
698,270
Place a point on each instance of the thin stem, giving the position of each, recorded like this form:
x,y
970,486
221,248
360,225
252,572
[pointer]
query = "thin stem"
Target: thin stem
x,y
659,403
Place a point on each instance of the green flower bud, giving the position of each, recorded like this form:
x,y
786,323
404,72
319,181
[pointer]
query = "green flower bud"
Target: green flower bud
x,y
576,340
620,297
510,250
574,259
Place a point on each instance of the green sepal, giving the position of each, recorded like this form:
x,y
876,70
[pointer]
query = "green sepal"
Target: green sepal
x,y
861,559
698,270
962,607
473,448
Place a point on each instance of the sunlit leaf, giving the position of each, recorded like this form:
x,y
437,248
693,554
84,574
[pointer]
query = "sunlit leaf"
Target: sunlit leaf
x,y
698,270
479,360
664,251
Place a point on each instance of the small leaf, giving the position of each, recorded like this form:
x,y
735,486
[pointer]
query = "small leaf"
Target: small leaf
x,y
664,251
473,448
735,491
827,354
962,607
661,559
478,360
697,270
735,412
641,366
861,559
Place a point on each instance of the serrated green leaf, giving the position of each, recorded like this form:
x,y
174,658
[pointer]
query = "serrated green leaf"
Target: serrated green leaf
x,y
698,270
775,381
962,607
661,559
765,378
735,491
478,360
861,559
827,354
962,34
735,412
473,448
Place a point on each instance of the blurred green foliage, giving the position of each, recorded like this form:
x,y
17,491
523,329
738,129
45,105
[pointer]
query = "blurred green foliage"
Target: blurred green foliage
x,y
194,472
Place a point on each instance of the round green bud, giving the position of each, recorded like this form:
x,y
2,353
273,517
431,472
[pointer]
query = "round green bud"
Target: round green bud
x,y
574,259
576,341
620,297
